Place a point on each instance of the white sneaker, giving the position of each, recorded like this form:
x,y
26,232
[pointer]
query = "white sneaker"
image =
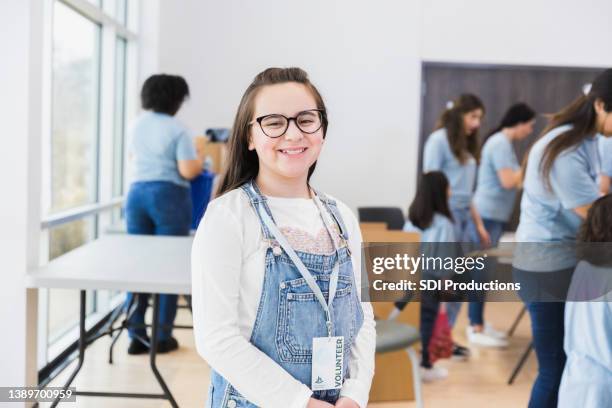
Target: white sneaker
x,y
483,339
491,331
433,374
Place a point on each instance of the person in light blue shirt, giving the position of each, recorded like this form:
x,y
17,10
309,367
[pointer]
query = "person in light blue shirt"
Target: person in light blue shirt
x,y
499,174
430,215
454,149
163,160
587,377
560,186
554,203
605,151
159,143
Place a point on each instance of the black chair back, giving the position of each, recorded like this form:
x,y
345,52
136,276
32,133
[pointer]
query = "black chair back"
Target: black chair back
x,y
393,216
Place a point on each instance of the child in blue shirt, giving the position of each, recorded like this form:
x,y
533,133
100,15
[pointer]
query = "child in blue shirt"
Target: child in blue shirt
x,y
587,377
429,215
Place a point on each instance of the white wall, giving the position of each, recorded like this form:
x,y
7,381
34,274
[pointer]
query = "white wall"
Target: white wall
x,y
542,32
20,81
148,38
362,56
365,57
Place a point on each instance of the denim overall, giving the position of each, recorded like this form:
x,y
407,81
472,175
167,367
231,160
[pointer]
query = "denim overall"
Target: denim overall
x,y
289,315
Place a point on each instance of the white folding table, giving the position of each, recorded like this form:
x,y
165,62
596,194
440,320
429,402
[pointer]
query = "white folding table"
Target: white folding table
x,y
129,263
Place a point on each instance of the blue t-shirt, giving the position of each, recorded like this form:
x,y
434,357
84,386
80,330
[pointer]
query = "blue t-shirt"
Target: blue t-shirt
x,y
546,215
587,377
435,241
605,150
441,229
157,142
493,201
437,155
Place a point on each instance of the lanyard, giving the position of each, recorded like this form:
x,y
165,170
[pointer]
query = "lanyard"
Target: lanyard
x,y
310,280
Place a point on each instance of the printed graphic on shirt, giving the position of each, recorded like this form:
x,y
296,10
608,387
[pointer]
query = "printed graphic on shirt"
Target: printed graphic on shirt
x,y
303,241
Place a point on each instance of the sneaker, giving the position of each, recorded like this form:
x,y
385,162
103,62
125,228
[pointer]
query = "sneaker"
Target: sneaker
x,y
460,353
491,331
137,347
166,346
483,339
433,374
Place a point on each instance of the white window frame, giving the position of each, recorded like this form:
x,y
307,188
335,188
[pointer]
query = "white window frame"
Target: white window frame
x,y
111,29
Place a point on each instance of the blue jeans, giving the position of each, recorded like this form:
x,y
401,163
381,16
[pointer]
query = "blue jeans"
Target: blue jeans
x,y
548,331
156,208
465,231
495,229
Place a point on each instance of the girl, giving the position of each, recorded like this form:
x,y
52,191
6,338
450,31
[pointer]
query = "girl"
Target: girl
x,y
587,378
429,214
267,253
163,161
560,185
499,176
453,149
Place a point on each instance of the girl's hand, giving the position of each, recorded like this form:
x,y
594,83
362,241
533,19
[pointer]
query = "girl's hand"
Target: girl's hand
x,y
485,239
314,403
345,402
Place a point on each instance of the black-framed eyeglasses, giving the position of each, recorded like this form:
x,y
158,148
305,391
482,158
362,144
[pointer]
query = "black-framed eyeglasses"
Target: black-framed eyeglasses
x,y
276,125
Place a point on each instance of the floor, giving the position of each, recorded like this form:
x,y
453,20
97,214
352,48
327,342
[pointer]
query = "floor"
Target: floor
x,y
481,381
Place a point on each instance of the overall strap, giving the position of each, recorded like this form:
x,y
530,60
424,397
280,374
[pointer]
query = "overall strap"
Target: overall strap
x,y
333,210
256,198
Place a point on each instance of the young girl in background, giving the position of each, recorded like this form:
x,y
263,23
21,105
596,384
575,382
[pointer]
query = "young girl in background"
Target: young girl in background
x,y
587,377
454,150
276,265
499,176
429,214
561,183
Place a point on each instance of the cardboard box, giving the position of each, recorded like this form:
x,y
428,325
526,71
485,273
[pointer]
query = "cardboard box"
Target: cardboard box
x,y
217,152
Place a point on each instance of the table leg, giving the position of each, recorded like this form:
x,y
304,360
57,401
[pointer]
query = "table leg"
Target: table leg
x,y
153,351
520,363
128,313
82,344
516,321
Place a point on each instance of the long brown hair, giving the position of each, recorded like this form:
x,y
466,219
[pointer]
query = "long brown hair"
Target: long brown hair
x,y
597,228
242,163
582,116
452,120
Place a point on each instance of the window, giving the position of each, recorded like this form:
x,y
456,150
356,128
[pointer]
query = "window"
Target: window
x,y
91,87
119,130
121,11
75,113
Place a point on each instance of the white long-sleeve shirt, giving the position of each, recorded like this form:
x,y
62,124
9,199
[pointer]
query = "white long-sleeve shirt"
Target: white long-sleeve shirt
x,y
228,267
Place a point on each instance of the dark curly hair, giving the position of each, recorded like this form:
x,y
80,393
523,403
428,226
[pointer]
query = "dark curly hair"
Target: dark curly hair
x,y
595,230
164,93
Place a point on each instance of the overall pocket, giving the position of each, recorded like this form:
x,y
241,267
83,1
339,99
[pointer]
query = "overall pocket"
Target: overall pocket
x,y
301,317
233,399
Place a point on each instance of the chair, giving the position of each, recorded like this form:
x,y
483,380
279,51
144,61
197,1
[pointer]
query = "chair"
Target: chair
x,y
393,216
395,336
